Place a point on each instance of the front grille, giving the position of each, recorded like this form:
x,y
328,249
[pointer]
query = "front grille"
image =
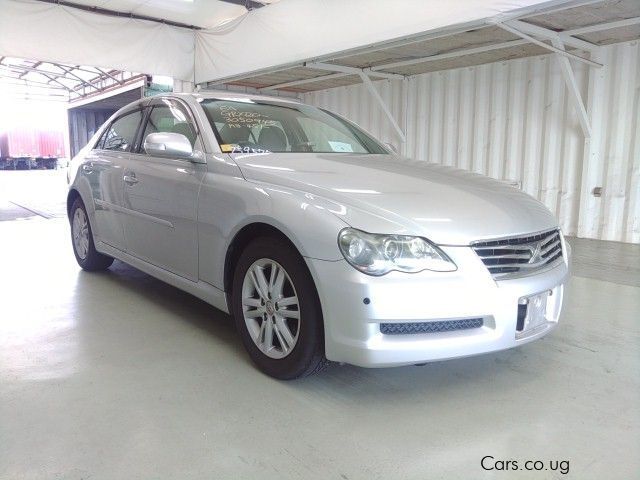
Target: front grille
x,y
517,256
430,327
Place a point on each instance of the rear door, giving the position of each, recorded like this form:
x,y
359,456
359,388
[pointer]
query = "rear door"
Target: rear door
x,y
161,196
103,169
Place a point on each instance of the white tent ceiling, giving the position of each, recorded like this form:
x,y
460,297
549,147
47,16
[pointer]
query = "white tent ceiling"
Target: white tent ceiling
x,y
290,35
292,32
148,36
199,13
579,27
66,35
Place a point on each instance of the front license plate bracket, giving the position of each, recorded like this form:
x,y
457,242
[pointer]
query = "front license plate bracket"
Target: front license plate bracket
x,y
532,313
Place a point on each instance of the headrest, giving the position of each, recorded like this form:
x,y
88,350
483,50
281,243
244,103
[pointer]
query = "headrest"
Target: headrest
x,y
235,134
272,138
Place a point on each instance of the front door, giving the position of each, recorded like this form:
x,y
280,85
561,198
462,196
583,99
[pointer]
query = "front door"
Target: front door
x,y
161,199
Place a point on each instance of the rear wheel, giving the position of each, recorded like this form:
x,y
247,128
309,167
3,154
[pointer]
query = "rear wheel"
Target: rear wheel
x,y
277,311
82,240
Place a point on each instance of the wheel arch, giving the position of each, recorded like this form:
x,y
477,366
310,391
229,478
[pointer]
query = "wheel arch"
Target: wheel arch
x,y
242,238
71,198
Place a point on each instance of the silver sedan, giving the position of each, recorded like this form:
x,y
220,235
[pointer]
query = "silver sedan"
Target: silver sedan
x,y
322,243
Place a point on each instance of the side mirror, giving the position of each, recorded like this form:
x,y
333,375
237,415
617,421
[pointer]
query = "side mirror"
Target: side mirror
x,y
171,145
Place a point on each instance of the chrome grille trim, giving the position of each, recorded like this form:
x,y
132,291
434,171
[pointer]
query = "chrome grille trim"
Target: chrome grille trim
x,y
519,256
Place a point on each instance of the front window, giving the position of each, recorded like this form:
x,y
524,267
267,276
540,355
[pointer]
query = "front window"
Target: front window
x,y
170,118
256,125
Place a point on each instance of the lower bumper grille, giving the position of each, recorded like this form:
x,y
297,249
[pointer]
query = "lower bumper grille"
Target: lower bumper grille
x,y
430,327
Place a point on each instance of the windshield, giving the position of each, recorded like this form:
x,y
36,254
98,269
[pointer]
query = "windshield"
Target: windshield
x,y
265,126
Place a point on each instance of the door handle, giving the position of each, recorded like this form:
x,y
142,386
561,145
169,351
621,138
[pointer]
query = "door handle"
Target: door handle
x,y
130,179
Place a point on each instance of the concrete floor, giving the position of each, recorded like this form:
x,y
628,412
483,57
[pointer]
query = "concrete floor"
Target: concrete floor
x,y
28,193
117,375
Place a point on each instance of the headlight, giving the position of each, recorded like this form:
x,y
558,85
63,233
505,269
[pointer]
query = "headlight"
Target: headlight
x,y
379,254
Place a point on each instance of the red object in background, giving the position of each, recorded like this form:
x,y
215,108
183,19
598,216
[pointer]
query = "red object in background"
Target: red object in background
x,y
50,143
19,143
26,143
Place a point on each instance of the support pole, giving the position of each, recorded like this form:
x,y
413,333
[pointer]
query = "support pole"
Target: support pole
x,y
330,67
542,32
540,43
183,86
105,73
364,75
405,111
372,89
574,91
557,46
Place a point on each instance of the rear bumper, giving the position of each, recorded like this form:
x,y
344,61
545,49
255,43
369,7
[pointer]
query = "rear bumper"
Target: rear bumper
x,y
352,323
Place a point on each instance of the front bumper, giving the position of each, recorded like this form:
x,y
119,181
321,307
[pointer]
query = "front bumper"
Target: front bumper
x,y
354,305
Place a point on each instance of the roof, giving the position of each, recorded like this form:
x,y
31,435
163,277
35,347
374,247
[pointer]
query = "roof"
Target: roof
x,y
210,94
230,95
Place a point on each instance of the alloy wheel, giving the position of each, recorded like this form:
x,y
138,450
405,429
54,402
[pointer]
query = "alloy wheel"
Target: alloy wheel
x,y
80,232
270,308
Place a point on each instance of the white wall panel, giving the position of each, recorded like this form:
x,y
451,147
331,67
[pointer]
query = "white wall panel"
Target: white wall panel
x,y
514,121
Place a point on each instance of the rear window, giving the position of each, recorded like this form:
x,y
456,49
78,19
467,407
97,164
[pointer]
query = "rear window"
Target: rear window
x,y
121,133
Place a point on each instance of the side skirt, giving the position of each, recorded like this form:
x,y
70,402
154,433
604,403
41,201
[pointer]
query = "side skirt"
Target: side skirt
x,y
200,289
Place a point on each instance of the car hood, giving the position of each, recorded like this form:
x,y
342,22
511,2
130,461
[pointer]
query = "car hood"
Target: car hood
x,y
389,194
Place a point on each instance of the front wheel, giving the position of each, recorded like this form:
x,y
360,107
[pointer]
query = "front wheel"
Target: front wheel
x,y
82,240
277,311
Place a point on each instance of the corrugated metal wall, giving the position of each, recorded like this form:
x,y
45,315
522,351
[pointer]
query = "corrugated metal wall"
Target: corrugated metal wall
x,y
83,123
513,121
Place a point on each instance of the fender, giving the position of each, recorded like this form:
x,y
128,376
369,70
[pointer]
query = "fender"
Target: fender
x,y
240,203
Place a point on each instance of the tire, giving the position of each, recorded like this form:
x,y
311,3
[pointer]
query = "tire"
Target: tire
x,y
82,240
306,356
